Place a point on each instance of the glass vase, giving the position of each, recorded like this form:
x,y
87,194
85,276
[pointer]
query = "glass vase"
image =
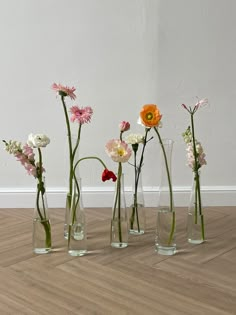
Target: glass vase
x,y
137,219
165,229
75,146
119,221
42,239
195,222
77,229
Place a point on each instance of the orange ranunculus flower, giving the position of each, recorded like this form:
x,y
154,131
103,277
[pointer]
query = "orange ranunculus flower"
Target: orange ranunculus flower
x,y
150,115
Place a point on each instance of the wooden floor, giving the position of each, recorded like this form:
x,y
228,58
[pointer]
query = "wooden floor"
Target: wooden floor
x,y
199,279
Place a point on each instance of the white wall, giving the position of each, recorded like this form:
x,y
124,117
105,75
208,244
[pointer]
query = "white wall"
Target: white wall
x,y
120,55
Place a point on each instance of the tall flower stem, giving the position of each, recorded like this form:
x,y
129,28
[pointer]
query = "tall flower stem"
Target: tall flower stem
x,y
40,193
170,186
117,202
198,202
70,146
137,172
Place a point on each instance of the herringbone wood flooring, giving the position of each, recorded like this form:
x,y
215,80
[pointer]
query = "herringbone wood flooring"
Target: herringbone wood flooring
x,y
199,279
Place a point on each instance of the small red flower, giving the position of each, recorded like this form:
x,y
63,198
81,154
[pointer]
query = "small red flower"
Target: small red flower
x,y
106,175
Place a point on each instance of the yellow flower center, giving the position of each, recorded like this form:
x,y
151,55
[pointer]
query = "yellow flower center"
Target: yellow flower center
x,y
149,116
120,151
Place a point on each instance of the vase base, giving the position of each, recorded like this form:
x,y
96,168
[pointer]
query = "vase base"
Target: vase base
x,y
136,232
78,252
119,245
165,250
196,242
42,250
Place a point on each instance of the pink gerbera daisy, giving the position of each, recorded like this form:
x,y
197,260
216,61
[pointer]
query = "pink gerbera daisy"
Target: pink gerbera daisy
x,y
81,115
64,90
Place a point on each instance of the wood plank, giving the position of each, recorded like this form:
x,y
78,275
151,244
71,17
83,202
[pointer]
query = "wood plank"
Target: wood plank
x,y
199,279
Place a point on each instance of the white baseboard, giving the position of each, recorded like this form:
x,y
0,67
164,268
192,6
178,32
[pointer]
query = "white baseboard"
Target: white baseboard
x,y
103,197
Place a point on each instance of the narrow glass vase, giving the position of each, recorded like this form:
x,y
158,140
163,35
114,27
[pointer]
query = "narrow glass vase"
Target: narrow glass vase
x,y
137,218
42,239
77,230
195,222
119,222
165,229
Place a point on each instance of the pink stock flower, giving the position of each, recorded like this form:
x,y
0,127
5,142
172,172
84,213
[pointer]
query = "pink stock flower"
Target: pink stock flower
x,y
118,150
22,158
81,115
64,90
124,126
31,169
28,151
200,155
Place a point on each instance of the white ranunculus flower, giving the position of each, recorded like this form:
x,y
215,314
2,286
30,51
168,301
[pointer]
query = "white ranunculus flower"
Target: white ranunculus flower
x,y
134,138
38,140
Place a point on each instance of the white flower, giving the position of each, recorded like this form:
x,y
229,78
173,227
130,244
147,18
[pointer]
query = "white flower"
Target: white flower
x,y
134,138
13,147
38,140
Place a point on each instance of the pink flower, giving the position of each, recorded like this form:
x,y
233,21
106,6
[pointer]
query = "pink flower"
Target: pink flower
x,y
31,169
81,115
201,103
28,151
64,90
21,157
124,126
200,155
118,150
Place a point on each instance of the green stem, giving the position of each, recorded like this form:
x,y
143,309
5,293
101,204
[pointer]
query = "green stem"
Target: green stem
x,y
89,158
167,169
70,145
134,208
77,143
74,202
195,201
198,188
170,187
40,192
119,200
136,180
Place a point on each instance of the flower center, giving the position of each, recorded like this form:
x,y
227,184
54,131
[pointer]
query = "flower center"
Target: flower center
x,y
120,151
149,116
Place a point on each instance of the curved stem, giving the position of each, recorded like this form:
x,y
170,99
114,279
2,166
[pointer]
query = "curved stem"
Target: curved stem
x,y
167,169
170,188
70,145
89,158
77,143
